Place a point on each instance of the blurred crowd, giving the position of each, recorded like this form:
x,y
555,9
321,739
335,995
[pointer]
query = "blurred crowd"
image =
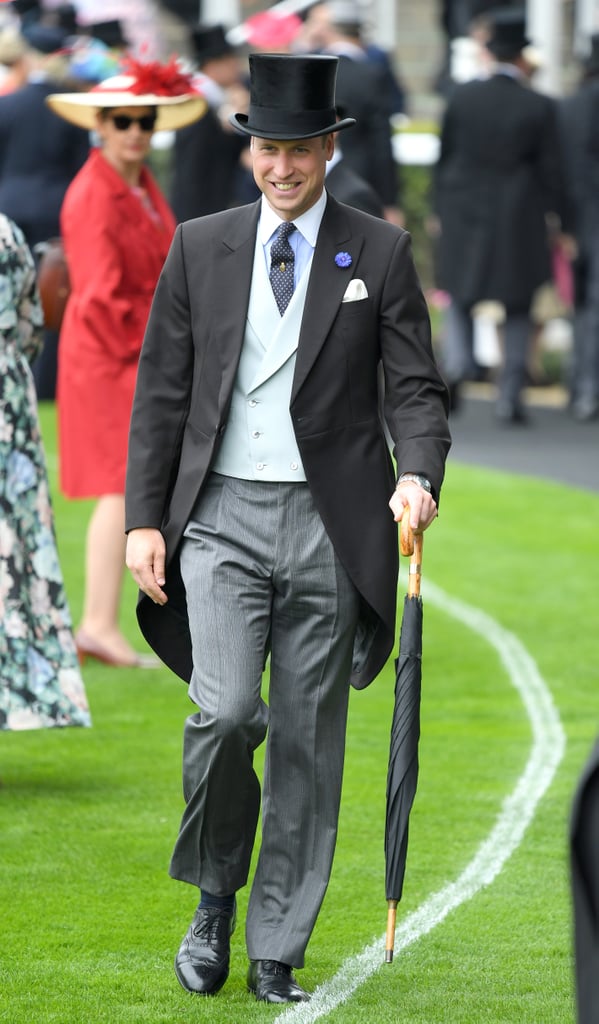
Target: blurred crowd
x,y
487,331
514,207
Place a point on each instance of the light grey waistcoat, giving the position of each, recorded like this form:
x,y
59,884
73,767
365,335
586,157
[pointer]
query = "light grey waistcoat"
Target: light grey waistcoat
x,y
259,442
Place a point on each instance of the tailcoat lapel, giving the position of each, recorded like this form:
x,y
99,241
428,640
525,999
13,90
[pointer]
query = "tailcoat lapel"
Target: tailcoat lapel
x,y
326,287
232,265
231,268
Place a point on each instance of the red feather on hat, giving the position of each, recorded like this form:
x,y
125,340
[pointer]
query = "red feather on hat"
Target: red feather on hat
x,y
158,79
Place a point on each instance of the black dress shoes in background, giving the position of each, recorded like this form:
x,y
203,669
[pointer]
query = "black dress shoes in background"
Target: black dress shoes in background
x,y
202,963
510,413
273,982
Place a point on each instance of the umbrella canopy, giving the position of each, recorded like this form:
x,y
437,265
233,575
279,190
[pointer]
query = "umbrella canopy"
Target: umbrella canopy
x,y
584,867
402,775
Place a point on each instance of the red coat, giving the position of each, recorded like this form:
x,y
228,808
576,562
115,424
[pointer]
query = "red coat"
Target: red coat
x,y
115,250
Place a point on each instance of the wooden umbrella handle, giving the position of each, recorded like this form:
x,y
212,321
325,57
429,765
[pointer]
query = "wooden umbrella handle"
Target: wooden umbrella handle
x,y
406,534
410,543
390,934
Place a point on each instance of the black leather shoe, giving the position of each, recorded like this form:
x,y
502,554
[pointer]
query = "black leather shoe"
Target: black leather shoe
x,y
273,982
202,963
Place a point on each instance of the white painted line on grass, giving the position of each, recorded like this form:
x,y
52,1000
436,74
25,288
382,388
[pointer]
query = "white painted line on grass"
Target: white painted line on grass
x,y
516,814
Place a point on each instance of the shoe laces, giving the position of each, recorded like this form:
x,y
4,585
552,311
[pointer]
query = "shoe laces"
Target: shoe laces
x,y
276,967
210,922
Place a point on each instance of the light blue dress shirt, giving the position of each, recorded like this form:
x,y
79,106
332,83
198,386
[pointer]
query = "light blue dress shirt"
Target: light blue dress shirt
x,y
302,241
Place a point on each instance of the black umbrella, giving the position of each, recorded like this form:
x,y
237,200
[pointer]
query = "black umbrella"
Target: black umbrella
x,y
402,774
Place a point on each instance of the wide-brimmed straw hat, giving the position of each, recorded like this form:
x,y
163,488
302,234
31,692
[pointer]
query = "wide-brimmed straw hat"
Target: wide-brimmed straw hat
x,y
162,86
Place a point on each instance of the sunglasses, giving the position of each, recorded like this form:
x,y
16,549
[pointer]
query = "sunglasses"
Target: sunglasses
x,y
122,122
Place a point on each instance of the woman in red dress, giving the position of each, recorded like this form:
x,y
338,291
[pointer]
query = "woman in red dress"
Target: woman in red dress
x,y
117,229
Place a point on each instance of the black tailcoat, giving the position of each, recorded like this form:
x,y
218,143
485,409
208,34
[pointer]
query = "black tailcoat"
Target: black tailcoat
x,y
498,176
185,380
40,155
348,187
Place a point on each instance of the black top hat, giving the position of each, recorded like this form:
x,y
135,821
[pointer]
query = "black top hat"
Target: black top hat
x,y
508,33
108,32
291,97
210,43
65,16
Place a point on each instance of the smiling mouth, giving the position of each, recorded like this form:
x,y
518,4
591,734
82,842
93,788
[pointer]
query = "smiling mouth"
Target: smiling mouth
x,y
285,186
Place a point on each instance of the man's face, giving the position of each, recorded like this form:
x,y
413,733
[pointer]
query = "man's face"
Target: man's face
x,y
291,173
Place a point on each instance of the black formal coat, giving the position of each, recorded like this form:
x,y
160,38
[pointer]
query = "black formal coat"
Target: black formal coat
x,y
498,176
361,91
205,168
185,380
40,155
584,861
348,187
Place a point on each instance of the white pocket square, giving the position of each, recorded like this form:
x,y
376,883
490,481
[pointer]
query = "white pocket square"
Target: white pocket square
x,y
356,289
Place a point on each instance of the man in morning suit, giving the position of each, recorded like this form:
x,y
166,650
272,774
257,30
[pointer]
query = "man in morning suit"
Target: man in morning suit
x,y
498,182
261,499
40,155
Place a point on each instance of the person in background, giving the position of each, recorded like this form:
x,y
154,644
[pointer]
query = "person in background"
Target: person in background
x,y
497,182
207,154
579,126
363,86
39,157
316,34
262,503
117,228
28,12
463,23
40,680
272,31
13,60
97,51
348,187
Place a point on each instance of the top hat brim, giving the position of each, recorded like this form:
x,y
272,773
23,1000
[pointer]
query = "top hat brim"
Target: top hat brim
x,y
507,50
290,131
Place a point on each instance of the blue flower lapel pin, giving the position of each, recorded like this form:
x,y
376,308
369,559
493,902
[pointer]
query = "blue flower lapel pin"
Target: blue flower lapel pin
x,y
343,260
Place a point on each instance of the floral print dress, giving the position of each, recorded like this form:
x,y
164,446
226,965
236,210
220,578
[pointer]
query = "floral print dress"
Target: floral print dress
x,y
40,680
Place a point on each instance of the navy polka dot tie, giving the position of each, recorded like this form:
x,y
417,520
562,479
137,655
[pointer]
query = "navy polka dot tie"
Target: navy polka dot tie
x,y
281,266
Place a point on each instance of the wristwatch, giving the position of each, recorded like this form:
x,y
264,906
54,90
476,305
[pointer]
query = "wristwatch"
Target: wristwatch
x,y
417,479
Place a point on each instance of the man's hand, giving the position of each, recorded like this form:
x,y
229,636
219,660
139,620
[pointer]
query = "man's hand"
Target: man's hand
x,y
423,507
145,558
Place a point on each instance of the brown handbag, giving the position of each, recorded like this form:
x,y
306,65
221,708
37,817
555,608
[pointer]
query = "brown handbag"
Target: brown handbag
x,y
53,281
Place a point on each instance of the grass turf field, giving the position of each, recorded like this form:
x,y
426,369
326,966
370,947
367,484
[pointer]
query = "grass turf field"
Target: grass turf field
x,y
90,919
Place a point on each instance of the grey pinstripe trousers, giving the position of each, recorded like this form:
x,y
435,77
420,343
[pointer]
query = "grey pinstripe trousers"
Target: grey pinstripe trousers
x,y
261,577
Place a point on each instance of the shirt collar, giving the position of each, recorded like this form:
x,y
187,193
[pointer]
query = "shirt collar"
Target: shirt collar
x,y
509,70
345,48
336,157
307,223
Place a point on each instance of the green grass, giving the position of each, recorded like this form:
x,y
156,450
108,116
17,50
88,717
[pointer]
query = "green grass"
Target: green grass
x,y
90,919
